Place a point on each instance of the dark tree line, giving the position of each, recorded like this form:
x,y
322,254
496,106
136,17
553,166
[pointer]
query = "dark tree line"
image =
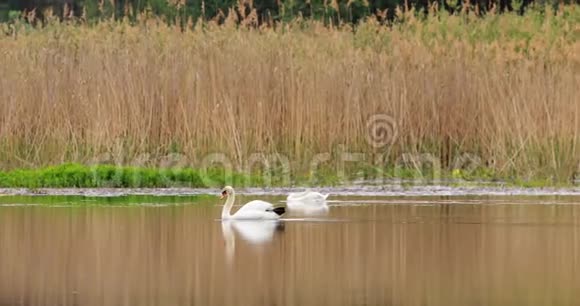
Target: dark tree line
x,y
329,10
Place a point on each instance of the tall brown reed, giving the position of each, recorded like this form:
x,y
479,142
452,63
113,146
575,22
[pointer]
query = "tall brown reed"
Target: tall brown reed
x,y
502,87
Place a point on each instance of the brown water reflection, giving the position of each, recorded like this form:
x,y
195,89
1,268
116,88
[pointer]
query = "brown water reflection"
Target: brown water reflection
x,y
396,254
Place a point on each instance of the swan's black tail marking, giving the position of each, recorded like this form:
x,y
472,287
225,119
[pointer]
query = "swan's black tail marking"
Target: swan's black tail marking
x,y
279,210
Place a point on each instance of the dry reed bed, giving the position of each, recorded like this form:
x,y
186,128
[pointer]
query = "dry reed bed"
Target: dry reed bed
x,y
504,88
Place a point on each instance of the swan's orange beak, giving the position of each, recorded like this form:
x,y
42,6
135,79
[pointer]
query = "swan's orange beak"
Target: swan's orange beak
x,y
224,194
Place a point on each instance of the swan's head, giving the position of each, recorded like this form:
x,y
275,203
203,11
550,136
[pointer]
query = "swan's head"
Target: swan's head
x,y
227,191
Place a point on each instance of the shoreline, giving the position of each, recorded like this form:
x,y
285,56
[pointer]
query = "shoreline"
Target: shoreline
x,y
355,190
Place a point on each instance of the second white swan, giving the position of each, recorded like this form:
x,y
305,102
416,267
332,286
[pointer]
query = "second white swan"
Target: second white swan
x,y
254,210
307,196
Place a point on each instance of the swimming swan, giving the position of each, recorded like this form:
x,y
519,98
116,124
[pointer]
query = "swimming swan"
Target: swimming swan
x,y
307,196
254,210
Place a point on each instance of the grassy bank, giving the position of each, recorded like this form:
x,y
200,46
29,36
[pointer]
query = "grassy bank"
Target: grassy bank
x,y
108,176
75,175
501,90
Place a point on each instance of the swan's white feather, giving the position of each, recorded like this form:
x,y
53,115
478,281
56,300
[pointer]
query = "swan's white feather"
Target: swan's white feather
x,y
257,205
307,196
255,210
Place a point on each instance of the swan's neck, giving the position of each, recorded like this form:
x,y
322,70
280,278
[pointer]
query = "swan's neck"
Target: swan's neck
x,y
228,206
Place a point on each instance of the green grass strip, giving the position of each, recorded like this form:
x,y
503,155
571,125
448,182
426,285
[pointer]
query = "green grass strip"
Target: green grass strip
x,y
108,176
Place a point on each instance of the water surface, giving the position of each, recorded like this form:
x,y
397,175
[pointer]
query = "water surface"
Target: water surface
x,y
361,251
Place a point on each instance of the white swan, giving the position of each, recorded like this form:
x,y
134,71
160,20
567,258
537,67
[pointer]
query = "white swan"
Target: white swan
x,y
254,210
307,203
307,196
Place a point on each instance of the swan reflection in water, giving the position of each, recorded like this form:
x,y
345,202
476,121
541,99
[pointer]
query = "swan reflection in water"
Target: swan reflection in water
x,y
301,208
258,232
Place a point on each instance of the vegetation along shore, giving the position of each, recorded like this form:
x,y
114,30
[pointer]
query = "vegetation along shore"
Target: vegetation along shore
x,y
461,95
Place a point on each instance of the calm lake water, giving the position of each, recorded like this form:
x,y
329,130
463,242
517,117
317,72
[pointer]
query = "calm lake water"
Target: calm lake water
x,y
361,251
